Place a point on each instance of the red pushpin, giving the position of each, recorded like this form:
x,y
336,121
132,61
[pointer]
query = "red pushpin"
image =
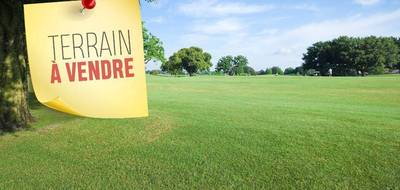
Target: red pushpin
x,y
88,4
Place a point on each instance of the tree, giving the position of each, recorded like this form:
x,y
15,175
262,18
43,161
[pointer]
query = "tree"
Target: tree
x,y
276,70
261,72
153,47
373,55
299,70
268,71
14,112
397,40
173,65
348,56
192,59
239,63
368,58
225,64
249,70
339,57
289,71
391,52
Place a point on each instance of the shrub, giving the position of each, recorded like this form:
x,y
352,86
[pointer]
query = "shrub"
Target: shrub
x,y
277,70
289,71
268,71
155,72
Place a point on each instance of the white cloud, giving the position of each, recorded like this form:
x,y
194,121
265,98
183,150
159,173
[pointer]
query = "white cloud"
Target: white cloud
x,y
159,4
307,7
221,26
268,31
157,20
212,8
359,25
367,2
195,38
284,51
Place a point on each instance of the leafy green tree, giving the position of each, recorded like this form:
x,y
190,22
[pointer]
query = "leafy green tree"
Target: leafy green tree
x,y
374,54
316,55
276,70
249,70
268,71
225,64
289,71
153,47
261,72
348,56
367,58
340,53
391,52
397,40
240,62
173,65
299,70
192,59
235,65
14,112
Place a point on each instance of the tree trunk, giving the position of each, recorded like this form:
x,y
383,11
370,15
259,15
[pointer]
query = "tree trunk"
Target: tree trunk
x,y
14,112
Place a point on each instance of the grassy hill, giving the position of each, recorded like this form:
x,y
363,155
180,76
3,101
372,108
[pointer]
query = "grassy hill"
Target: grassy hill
x,y
221,132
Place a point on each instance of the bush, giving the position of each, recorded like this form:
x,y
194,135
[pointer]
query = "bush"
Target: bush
x,y
289,71
311,72
299,70
261,72
245,71
218,73
277,70
155,72
249,70
268,71
378,70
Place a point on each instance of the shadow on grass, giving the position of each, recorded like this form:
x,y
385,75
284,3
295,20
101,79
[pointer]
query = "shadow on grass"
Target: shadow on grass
x,y
33,102
45,116
42,117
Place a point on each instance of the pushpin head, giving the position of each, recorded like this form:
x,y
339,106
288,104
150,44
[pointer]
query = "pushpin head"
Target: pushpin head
x,y
88,4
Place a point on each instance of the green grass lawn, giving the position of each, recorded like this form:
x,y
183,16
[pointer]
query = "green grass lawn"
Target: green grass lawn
x,y
221,132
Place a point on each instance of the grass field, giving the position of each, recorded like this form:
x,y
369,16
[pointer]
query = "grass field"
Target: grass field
x,y
221,132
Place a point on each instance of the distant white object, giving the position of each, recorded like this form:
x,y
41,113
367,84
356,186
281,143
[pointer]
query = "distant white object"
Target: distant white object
x,y
330,72
396,71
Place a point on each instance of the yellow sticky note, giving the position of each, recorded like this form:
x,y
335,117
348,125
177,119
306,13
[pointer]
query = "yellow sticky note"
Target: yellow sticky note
x,y
89,64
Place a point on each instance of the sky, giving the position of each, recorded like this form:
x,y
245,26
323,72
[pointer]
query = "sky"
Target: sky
x,y
268,32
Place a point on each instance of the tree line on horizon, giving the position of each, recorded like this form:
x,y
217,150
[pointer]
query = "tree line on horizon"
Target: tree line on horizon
x,y
343,56
195,60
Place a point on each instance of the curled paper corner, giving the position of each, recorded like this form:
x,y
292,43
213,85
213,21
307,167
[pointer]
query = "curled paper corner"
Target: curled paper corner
x,y
59,105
